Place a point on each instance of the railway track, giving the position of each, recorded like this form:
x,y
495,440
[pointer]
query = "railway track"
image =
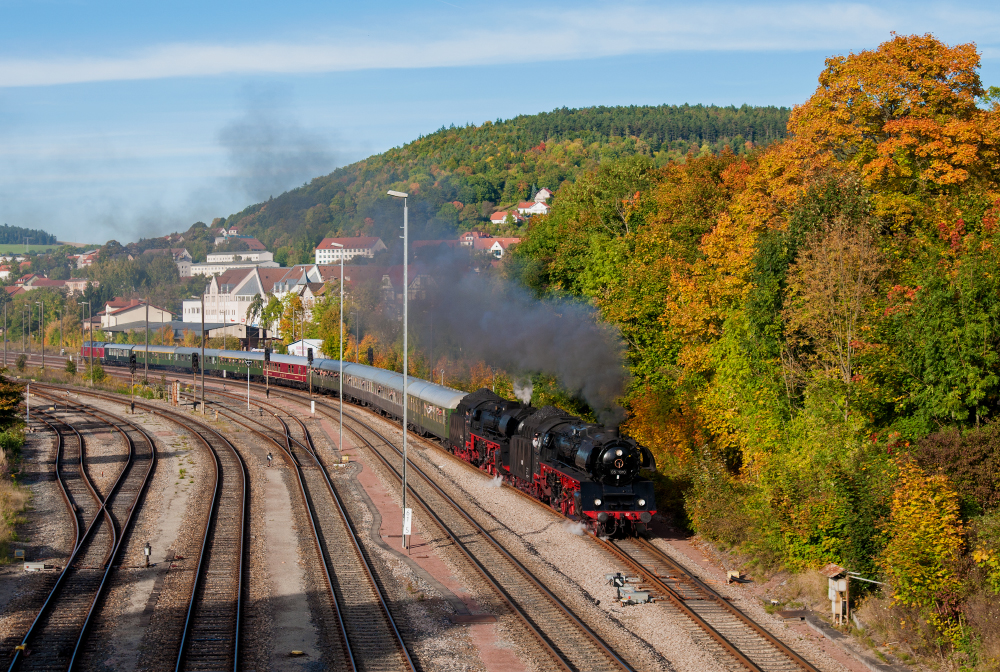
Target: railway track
x,y
208,625
370,639
568,640
721,625
57,638
716,624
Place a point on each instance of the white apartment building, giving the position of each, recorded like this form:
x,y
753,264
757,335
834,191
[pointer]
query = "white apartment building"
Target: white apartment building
x,y
328,252
231,257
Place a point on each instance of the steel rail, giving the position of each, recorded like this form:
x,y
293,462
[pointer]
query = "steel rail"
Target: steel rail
x,y
290,457
197,428
353,534
81,539
534,628
140,493
511,602
701,586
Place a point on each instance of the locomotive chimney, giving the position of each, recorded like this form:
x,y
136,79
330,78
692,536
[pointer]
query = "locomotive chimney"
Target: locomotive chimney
x,y
611,432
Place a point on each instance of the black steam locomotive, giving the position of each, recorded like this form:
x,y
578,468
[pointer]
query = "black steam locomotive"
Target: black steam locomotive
x,y
579,468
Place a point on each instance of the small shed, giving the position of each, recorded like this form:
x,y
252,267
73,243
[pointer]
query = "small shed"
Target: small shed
x,y
838,591
301,348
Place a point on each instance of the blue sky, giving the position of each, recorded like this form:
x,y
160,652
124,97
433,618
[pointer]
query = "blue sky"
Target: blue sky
x,y
122,120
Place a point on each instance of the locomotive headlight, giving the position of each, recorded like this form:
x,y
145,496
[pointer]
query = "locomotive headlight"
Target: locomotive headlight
x,y
597,502
641,502
618,453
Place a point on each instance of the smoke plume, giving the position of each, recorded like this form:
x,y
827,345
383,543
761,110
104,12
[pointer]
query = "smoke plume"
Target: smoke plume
x,y
269,155
523,390
507,327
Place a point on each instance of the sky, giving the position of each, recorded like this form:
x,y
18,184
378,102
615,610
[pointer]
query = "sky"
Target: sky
x,y
128,120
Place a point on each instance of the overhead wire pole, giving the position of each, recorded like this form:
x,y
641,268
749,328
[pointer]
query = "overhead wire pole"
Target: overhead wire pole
x,y
406,294
41,328
90,313
202,363
145,356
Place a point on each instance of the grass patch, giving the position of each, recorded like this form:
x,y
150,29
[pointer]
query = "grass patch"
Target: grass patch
x,y
14,498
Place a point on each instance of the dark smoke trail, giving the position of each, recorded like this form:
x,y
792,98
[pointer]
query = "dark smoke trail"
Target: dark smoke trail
x,y
503,324
270,155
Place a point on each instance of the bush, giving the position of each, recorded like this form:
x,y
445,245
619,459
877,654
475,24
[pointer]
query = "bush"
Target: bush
x,y
97,372
71,367
926,543
972,462
21,362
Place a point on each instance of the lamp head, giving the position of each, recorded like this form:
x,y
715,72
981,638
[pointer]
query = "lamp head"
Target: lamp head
x,y
397,194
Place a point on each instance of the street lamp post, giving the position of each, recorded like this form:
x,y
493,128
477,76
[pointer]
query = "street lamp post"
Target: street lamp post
x,y
341,393
406,293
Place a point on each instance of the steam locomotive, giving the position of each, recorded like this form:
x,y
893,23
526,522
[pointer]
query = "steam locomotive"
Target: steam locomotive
x,y
579,468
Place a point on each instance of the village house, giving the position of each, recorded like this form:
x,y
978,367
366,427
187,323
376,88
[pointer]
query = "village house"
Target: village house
x,y
533,208
506,217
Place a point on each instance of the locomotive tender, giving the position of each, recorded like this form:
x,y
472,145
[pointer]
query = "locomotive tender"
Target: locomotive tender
x,y
582,469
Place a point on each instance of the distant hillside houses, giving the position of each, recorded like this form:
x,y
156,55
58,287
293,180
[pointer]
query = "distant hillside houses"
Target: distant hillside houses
x,y
506,217
32,281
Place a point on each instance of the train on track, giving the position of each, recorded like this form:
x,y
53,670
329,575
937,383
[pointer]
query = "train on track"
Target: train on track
x,y
581,469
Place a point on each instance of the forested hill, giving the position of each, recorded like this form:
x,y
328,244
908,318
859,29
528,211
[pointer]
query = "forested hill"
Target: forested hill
x,y
458,176
10,235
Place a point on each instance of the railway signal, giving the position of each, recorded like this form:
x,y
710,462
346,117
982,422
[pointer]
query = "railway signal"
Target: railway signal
x,y
195,361
131,387
267,364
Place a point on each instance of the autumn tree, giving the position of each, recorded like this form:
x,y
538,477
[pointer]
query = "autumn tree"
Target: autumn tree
x,y
905,118
830,291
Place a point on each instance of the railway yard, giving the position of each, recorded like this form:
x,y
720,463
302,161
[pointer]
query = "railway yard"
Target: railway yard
x,y
164,540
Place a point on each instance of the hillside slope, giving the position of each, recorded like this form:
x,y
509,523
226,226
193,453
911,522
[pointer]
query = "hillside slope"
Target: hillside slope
x,y
458,176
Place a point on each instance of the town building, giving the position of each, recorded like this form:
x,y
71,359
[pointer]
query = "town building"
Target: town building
x,y
533,208
542,195
301,348
234,261
87,258
127,311
327,251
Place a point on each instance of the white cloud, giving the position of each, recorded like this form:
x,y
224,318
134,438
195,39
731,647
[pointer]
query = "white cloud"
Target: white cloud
x,y
585,32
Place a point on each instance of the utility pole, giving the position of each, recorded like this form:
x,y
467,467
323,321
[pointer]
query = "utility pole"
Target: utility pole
x,y
145,357
203,353
41,328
